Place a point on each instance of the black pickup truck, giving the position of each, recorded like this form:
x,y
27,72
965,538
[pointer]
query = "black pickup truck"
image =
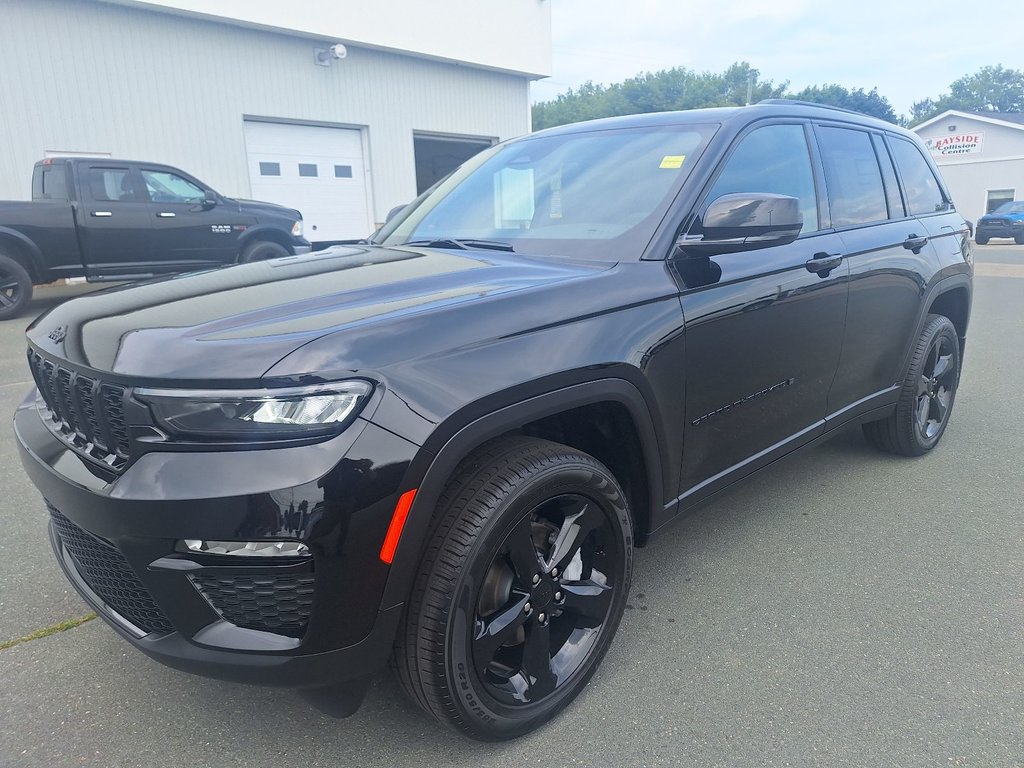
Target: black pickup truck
x,y
108,219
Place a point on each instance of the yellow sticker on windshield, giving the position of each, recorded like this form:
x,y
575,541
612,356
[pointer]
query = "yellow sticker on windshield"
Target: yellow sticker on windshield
x,y
672,161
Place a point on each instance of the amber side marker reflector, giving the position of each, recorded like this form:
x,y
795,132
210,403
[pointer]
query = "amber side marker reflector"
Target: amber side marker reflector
x,y
387,550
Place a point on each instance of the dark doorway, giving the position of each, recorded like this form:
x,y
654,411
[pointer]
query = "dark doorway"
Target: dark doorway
x,y
437,156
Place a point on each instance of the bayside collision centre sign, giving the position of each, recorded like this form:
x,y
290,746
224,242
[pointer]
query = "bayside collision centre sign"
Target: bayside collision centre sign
x,y
956,144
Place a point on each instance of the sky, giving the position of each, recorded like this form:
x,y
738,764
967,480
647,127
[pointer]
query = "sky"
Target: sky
x,y
909,49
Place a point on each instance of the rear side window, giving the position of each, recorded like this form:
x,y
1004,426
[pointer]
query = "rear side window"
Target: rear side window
x,y
855,191
924,195
773,159
50,183
111,184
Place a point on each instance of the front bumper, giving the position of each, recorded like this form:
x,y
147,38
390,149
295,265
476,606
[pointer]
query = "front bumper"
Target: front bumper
x,y
1000,229
299,623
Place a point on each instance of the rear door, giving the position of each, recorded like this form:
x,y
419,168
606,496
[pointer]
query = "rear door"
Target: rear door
x,y
114,224
188,233
887,250
763,329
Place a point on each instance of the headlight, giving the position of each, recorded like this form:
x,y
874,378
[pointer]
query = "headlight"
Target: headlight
x,y
297,228
248,415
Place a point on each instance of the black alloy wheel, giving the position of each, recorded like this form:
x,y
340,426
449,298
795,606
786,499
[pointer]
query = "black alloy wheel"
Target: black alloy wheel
x,y
520,591
15,287
927,395
545,599
935,387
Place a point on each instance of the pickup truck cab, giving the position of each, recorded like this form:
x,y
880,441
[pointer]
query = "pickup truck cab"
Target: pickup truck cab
x,y
106,219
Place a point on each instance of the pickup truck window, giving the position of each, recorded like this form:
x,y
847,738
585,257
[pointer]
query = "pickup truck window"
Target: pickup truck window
x,y
49,182
111,184
597,194
166,187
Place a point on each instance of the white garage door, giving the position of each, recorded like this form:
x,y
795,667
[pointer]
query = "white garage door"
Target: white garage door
x,y
317,170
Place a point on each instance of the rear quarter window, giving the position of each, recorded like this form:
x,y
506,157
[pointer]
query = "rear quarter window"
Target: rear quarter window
x,y
922,190
49,182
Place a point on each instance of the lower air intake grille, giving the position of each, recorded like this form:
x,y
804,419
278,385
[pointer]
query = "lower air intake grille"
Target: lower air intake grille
x,y
108,574
271,603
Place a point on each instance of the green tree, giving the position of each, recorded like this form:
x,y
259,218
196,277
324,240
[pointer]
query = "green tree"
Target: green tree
x,y
857,99
663,91
990,89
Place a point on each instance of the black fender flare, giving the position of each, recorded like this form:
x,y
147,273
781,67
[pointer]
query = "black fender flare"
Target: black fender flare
x,y
266,232
28,248
939,287
429,486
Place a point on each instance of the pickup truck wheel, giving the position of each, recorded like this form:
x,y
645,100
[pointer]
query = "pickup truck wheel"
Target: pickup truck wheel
x,y
980,240
926,400
520,591
15,287
261,250
1019,239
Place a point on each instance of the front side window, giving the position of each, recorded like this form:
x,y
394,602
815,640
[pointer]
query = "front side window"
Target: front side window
x,y
924,195
166,187
111,184
596,194
773,159
855,191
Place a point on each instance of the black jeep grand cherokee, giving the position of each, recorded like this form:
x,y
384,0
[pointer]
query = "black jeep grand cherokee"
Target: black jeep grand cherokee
x,y
442,447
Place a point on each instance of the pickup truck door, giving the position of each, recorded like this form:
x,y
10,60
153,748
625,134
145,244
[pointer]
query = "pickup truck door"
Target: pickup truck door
x,y
189,233
114,226
764,328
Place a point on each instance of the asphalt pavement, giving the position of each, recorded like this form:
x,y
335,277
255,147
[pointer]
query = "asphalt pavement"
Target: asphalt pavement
x,y
844,608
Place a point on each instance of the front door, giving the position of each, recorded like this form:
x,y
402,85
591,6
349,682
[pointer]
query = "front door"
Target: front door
x,y
763,331
189,233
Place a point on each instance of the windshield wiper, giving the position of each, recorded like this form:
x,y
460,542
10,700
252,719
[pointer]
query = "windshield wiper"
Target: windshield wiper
x,y
463,245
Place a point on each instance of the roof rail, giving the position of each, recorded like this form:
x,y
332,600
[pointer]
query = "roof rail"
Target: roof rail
x,y
812,104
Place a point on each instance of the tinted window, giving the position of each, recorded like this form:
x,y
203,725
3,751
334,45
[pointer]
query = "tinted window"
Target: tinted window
x,y
164,187
772,159
855,191
111,184
50,183
923,192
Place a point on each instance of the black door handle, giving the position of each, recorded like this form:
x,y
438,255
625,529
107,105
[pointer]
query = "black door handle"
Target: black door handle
x,y
824,262
915,243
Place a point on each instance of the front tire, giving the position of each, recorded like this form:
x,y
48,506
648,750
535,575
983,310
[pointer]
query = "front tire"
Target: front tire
x,y
261,250
926,399
15,287
521,589
980,240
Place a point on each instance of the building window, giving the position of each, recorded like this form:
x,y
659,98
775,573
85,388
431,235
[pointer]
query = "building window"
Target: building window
x,y
996,197
270,169
343,171
307,169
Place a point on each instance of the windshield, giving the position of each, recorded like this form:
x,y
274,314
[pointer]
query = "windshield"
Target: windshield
x,y
595,195
1011,207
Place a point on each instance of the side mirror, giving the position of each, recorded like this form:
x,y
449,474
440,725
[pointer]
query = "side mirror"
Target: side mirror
x,y
745,222
209,199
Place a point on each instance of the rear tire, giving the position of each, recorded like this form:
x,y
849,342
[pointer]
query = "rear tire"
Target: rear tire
x,y
1019,239
15,287
533,547
980,240
926,399
261,250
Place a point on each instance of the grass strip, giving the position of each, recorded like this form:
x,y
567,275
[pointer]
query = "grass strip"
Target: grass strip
x,y
53,629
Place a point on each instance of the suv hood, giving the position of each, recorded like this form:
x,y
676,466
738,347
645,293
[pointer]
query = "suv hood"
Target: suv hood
x,y
235,323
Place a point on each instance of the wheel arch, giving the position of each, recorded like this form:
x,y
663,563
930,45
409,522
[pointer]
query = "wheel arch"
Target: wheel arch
x,y
22,250
265,233
616,404
952,294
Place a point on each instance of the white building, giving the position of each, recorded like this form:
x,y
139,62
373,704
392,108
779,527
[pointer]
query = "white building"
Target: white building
x,y
251,96
980,155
